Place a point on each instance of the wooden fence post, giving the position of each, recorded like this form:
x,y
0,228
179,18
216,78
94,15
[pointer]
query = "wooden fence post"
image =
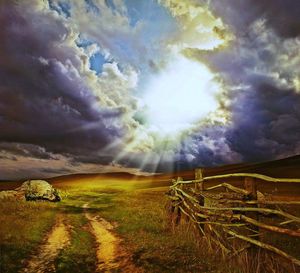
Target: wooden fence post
x,y
251,187
200,187
199,176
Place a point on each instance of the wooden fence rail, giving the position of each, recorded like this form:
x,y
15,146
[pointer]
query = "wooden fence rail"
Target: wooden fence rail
x,y
225,210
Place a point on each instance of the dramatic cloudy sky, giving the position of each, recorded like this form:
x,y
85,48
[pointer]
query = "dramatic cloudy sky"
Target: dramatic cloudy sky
x,y
146,85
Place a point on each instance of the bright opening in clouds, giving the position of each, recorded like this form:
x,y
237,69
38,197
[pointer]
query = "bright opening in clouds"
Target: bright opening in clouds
x,y
180,95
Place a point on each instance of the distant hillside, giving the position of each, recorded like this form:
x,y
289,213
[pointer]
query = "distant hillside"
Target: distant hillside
x,y
285,168
282,168
120,175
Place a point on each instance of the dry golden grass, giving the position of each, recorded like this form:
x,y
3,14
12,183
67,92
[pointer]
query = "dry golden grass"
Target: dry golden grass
x,y
23,226
249,260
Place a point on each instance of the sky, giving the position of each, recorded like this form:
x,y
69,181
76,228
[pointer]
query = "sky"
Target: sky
x,y
146,86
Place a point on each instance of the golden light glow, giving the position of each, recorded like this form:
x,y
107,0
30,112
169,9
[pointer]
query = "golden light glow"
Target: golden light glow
x,y
179,96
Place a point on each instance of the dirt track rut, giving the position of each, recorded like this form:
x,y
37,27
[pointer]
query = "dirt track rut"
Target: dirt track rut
x,y
111,256
57,239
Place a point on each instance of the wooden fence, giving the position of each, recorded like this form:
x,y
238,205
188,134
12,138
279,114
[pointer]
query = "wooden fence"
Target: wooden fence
x,y
227,211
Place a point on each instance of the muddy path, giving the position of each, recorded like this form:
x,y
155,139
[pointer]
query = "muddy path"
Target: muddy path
x,y
57,239
111,255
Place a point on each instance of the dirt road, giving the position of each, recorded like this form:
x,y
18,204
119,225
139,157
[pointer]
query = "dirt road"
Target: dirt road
x,y
57,239
111,256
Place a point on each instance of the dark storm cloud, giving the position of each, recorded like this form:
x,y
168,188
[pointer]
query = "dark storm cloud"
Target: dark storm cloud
x,y
26,150
266,122
43,101
8,157
258,69
281,15
208,147
265,125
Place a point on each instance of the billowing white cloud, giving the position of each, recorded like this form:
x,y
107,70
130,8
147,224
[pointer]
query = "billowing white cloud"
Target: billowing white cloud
x,y
199,28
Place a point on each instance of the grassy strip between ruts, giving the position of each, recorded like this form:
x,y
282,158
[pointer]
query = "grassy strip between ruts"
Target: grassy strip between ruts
x,y
80,255
23,227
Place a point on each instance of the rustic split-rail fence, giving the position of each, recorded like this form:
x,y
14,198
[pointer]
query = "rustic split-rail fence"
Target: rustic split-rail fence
x,y
229,212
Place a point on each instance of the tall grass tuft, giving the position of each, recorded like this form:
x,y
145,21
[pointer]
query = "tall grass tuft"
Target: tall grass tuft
x,y
242,258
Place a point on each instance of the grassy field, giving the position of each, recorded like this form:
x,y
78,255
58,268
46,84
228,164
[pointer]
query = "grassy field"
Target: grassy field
x,y
139,213
137,209
23,226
